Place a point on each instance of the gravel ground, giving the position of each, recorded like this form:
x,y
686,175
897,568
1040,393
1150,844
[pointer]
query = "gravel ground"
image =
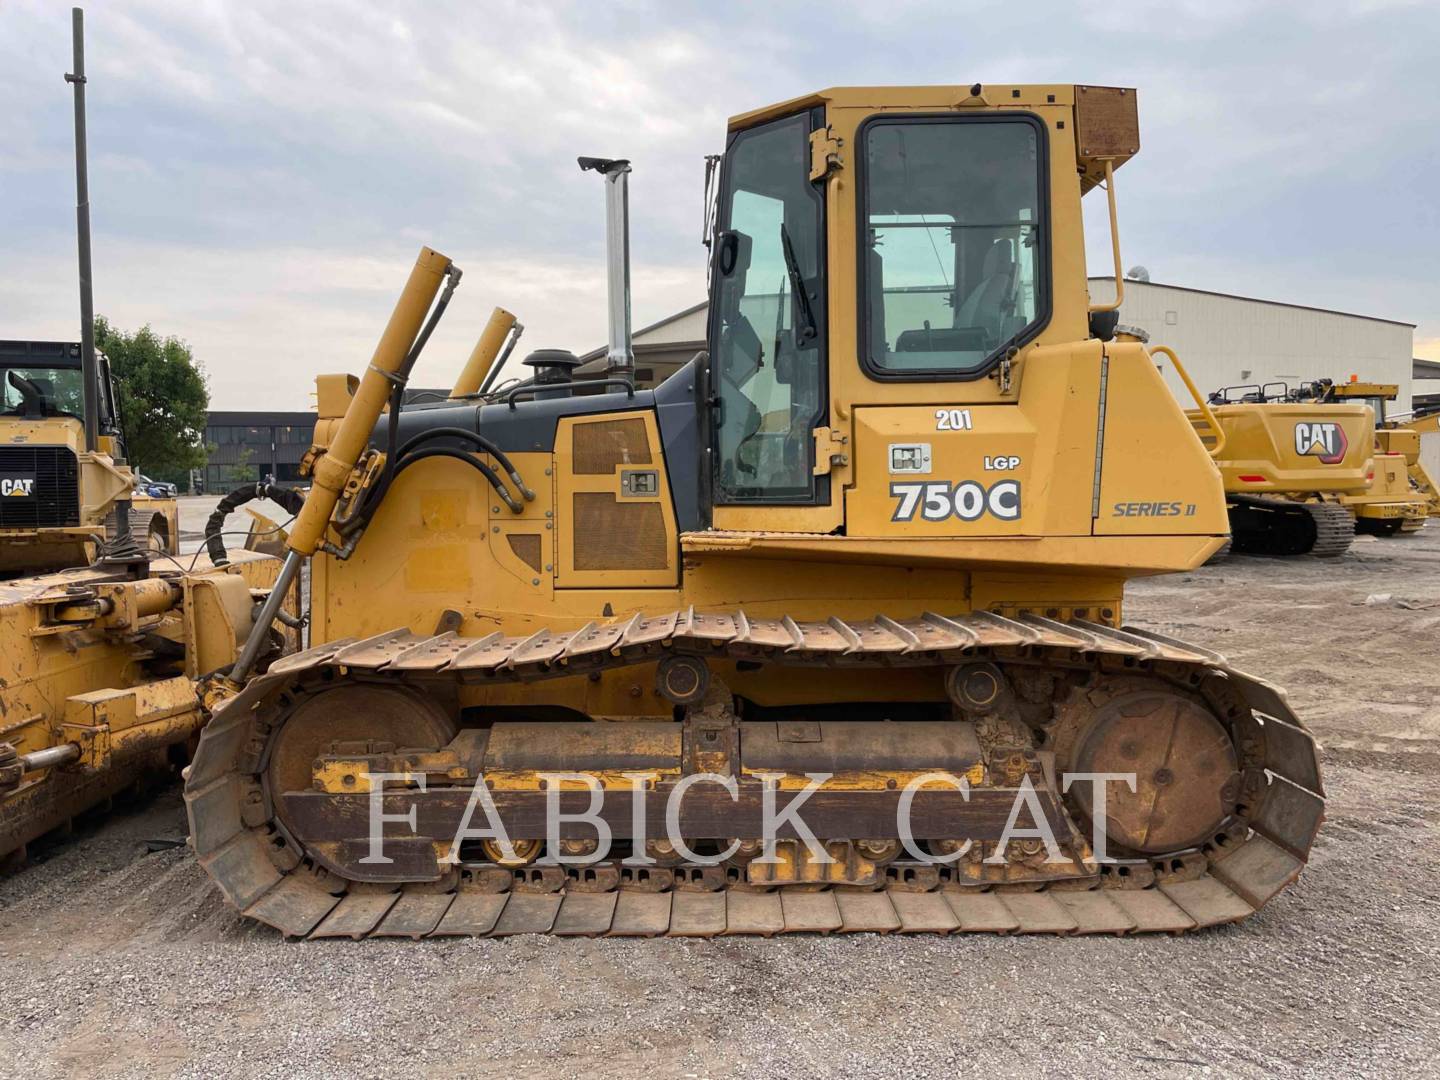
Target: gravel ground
x,y
122,962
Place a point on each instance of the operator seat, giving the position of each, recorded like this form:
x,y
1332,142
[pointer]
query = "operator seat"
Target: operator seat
x,y
990,302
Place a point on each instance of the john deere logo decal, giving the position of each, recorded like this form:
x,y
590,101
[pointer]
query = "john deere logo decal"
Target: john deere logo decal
x,y
1323,440
17,487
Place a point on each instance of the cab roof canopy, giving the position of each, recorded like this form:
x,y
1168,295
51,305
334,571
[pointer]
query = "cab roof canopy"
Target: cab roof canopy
x,y
1107,123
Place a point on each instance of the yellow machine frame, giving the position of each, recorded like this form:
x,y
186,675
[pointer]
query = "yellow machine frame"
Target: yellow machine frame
x,y
497,583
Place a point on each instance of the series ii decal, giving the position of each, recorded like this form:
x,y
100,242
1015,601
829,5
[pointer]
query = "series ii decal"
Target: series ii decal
x,y
1152,509
967,500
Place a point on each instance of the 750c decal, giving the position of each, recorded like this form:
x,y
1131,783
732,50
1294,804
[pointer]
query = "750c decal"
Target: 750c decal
x,y
967,500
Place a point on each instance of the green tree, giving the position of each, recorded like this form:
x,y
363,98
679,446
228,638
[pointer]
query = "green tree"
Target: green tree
x,y
162,397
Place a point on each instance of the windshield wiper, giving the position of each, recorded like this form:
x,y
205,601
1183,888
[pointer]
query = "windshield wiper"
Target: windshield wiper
x,y
797,286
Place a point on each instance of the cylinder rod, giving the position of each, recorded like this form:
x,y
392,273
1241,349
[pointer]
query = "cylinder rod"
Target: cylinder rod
x,y
332,468
482,357
50,756
89,370
250,652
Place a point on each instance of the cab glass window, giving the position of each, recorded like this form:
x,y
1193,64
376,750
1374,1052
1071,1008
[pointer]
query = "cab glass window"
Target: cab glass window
x,y
953,262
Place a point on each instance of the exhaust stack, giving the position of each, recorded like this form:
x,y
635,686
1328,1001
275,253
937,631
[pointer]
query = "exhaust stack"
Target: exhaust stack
x,y
620,357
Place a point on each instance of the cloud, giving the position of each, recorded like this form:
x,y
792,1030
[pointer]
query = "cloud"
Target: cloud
x,y
263,173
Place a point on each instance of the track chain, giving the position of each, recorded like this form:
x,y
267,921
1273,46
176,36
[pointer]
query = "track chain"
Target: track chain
x,y
264,877
1334,529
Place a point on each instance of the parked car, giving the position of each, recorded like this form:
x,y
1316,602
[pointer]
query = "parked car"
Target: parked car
x,y
156,489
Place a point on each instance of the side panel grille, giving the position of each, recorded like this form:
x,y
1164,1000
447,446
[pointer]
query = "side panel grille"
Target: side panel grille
x,y
53,498
611,535
600,447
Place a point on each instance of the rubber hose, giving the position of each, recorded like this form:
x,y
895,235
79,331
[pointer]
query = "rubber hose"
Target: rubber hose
x,y
291,499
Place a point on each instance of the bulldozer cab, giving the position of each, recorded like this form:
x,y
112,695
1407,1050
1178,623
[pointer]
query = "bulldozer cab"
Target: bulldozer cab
x,y
950,261
887,263
41,380
55,494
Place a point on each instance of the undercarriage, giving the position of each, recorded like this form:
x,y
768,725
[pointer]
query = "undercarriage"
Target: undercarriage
x,y
1279,526
952,815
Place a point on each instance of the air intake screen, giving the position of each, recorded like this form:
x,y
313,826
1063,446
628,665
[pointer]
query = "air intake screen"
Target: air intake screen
x,y
611,535
601,446
526,547
39,487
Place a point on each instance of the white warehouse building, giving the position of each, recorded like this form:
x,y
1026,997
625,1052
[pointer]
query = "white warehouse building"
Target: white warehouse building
x,y
1226,340
1222,340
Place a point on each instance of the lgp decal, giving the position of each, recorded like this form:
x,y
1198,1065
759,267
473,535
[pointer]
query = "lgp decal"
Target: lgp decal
x,y
1325,440
967,500
17,487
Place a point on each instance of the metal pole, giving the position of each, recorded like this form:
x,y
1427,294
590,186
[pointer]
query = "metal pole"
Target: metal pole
x,y
82,226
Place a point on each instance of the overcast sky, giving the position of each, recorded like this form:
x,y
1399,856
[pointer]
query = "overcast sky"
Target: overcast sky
x,y
262,174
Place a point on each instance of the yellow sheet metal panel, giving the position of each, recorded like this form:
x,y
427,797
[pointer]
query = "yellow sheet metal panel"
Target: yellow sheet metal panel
x,y
1022,469
1156,478
615,519
1279,447
948,471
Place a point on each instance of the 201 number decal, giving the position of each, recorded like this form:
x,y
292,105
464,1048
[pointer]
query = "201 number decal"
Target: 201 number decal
x,y
967,500
952,420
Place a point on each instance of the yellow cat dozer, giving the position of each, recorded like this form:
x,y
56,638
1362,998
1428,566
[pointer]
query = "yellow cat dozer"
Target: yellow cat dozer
x,y
61,485
101,654
824,633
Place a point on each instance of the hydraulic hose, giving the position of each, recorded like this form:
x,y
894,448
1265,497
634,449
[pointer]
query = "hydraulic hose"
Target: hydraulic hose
x,y
407,451
292,499
468,459
480,441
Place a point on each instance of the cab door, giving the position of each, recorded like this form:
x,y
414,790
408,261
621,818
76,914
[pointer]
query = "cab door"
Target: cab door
x,y
768,335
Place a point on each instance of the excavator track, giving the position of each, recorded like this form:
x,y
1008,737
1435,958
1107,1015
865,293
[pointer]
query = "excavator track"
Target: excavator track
x,y
264,874
1261,526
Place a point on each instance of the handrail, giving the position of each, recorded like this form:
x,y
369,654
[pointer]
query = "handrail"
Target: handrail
x,y
536,388
1114,305
1199,399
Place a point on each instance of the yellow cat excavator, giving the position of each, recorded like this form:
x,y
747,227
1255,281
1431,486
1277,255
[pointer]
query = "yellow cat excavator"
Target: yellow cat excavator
x,y
824,633
1306,467
1287,465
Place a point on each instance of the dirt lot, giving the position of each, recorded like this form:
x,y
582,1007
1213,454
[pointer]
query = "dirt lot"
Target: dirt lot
x,y
122,962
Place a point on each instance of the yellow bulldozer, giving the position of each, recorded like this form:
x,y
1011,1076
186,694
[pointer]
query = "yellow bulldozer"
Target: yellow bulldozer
x,y
102,652
63,484
824,633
